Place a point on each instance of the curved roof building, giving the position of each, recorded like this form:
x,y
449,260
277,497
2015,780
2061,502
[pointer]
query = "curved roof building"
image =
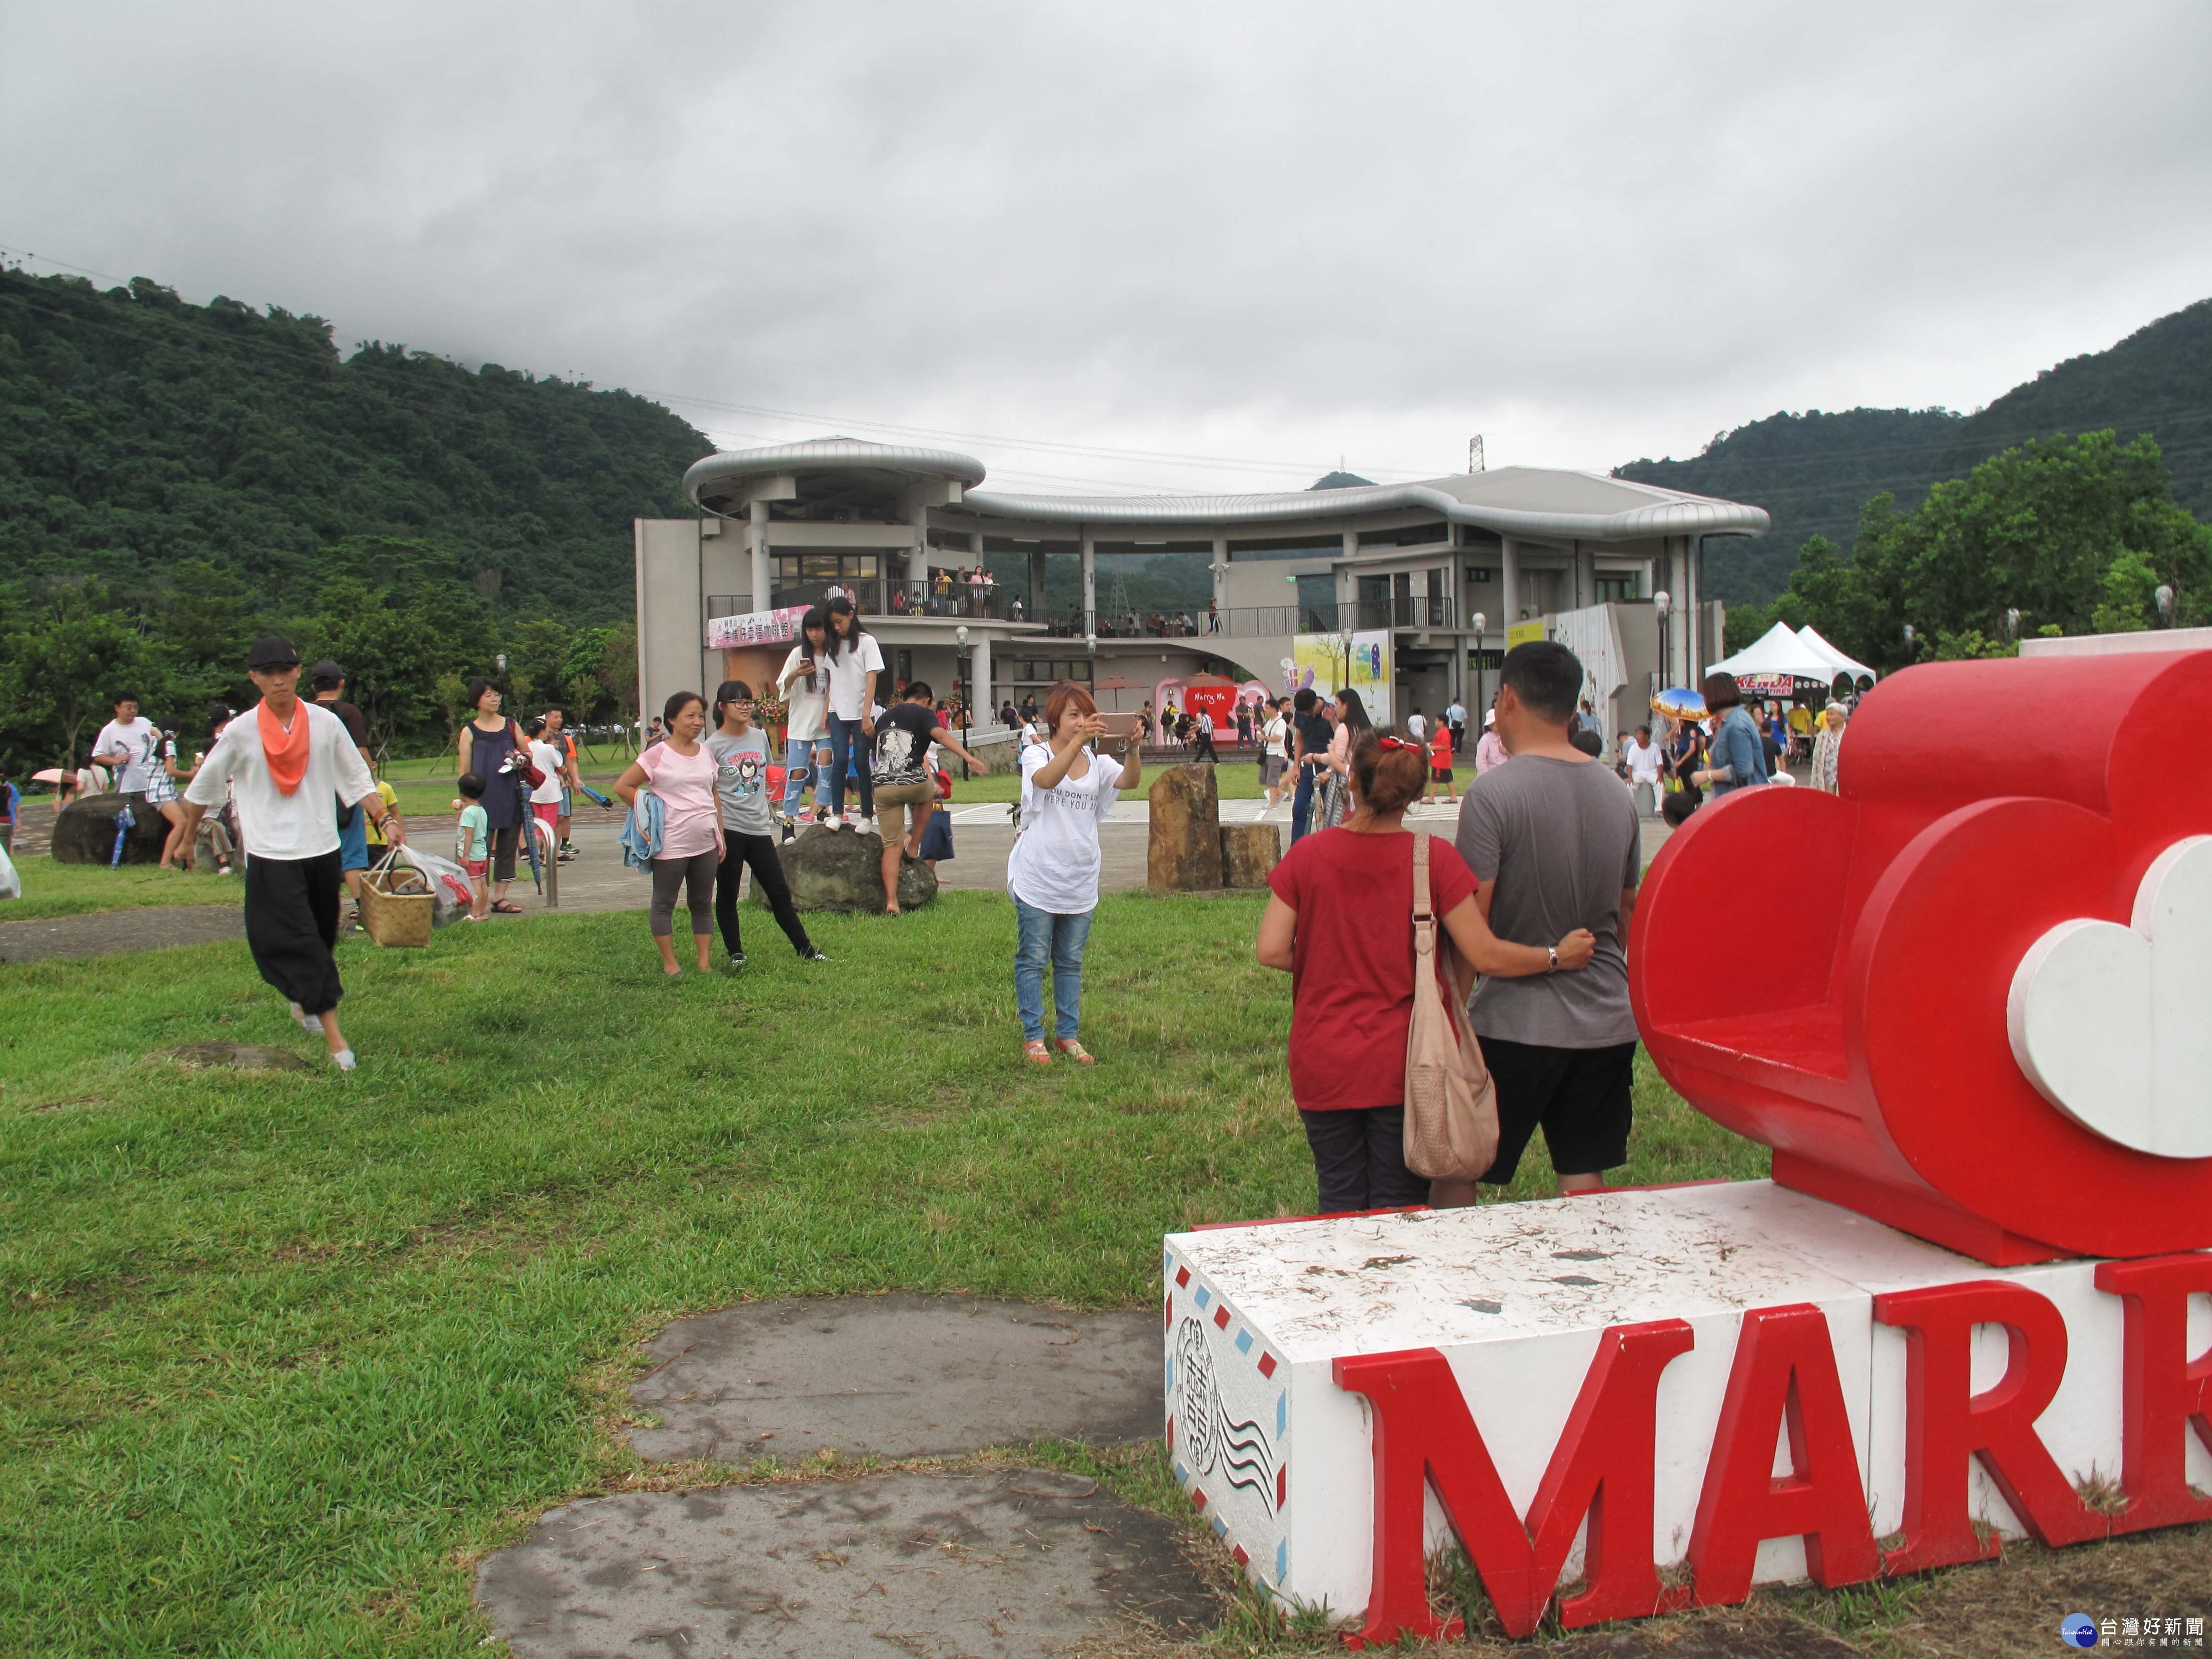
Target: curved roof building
x,y
1116,589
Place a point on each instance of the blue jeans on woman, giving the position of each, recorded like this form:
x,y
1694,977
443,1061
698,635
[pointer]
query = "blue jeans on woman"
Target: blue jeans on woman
x,y
798,765
848,745
1041,935
1302,804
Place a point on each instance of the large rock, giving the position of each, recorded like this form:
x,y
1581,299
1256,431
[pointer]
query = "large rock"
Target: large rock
x,y
84,832
833,869
1184,855
1248,851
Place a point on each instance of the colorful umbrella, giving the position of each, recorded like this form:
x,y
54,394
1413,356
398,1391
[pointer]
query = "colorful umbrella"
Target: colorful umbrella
x,y
1679,704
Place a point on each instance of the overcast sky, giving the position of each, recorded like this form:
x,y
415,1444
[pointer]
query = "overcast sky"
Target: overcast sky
x,y
1243,239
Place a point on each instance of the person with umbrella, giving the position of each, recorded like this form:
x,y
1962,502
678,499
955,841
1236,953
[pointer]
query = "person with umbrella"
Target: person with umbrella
x,y
290,764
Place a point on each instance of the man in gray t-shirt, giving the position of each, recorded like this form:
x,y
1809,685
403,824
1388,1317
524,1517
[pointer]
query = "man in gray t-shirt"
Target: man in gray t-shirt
x,y
1554,840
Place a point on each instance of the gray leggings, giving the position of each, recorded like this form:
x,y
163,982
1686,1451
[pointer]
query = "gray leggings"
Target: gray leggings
x,y
696,875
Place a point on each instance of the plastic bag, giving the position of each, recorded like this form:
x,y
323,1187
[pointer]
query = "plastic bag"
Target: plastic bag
x,y
448,881
11,885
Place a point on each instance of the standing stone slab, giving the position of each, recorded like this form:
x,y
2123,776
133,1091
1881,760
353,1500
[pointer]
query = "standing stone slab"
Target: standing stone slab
x,y
1184,853
833,869
1013,1562
1249,852
901,1375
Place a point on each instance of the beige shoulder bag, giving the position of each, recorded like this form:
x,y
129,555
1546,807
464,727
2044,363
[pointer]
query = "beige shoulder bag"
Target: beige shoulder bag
x,y
1451,1104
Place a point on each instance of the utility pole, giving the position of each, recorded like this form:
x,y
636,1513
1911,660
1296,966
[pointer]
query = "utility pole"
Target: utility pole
x,y
1474,460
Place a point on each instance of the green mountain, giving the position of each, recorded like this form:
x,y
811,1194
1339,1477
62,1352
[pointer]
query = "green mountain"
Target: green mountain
x,y
138,432
1813,472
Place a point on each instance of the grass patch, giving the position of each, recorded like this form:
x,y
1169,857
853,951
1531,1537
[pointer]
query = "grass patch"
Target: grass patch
x,y
280,1354
73,889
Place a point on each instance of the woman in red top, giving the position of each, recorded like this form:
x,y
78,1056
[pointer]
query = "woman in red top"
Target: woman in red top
x,y
1351,973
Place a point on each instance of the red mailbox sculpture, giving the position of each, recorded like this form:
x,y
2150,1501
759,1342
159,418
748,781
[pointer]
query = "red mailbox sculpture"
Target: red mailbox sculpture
x,y
1970,995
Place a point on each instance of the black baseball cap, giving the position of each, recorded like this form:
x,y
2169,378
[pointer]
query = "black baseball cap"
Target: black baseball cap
x,y
325,670
272,651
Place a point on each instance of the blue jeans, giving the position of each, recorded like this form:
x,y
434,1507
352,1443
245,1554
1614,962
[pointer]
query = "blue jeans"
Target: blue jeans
x,y
1040,934
848,746
798,766
1301,804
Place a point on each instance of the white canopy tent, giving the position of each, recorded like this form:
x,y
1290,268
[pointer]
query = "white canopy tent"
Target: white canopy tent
x,y
1808,635
1781,653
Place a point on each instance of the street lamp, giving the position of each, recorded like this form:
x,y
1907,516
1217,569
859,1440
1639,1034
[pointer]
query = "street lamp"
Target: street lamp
x,y
2012,623
1663,604
2164,595
1909,650
1479,619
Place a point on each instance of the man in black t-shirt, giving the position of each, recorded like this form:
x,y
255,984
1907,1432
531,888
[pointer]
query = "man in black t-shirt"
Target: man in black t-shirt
x,y
328,681
1311,733
904,779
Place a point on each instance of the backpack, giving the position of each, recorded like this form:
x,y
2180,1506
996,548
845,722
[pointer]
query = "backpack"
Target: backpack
x,y
1451,1104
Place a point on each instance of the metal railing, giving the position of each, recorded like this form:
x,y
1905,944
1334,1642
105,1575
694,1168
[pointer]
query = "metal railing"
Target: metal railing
x,y
1258,621
884,596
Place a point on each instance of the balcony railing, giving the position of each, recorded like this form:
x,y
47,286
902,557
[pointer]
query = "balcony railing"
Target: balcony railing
x,y
894,597
1259,621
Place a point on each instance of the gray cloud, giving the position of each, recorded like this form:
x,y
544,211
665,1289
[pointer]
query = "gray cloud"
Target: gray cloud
x,y
1282,232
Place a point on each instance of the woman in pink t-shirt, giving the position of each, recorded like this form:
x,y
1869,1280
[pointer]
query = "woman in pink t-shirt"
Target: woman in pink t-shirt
x,y
681,773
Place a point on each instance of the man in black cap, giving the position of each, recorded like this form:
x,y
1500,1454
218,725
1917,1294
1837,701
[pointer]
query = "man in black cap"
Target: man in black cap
x,y
327,680
289,766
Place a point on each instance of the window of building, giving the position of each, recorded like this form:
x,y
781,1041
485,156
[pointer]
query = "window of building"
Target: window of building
x,y
1479,575
1615,590
1307,546
1411,535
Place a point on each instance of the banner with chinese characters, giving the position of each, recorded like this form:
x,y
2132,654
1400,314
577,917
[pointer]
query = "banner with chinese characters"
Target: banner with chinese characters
x,y
754,628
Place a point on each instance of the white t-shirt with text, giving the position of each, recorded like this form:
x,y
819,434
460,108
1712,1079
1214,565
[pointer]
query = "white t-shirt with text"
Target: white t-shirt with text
x,y
547,759
1054,863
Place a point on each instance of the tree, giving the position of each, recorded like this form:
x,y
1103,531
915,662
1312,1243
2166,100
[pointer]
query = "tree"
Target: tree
x,y
67,658
2075,535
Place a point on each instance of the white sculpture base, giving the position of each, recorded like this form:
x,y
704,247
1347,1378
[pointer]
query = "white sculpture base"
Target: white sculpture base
x,y
1517,1297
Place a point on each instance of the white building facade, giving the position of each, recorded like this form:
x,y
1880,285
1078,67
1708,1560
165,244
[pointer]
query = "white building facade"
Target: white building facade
x,y
1442,576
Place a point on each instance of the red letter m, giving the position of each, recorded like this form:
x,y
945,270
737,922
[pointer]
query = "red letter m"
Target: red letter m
x,y
1601,1467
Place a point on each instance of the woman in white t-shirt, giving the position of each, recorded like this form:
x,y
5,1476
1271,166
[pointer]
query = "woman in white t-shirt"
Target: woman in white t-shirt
x,y
804,686
1053,871
853,661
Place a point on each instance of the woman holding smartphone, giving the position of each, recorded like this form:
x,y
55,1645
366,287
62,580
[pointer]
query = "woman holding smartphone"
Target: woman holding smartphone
x,y
1053,871
855,663
804,685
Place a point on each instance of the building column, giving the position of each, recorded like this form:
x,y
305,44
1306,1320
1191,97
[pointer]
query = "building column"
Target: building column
x,y
979,694
1037,611
763,567
1090,618
1697,657
1509,581
917,558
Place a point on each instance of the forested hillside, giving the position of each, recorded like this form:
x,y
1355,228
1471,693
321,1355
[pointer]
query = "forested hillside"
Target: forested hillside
x,y
1814,472
176,479
137,432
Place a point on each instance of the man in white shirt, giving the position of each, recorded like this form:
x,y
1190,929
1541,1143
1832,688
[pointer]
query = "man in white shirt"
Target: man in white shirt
x,y
289,763
128,745
1416,726
1641,757
1455,723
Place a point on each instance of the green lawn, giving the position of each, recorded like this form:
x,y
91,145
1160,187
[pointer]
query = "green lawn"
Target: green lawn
x,y
69,889
280,1354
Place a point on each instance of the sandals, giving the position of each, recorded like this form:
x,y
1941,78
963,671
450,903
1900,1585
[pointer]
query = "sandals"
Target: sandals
x,y
504,908
1075,1051
1035,1053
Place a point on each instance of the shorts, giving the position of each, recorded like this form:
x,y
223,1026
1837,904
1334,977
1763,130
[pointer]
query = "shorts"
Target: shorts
x,y
893,800
478,868
1440,774
567,802
353,840
1582,1098
547,811
1271,770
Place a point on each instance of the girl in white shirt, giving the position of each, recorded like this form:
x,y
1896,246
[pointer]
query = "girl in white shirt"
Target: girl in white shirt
x,y
1051,874
803,685
855,661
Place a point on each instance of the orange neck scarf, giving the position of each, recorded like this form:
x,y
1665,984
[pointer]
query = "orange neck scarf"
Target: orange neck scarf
x,y
285,751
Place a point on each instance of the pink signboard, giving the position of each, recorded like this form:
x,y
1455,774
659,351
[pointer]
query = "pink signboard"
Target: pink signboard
x,y
754,628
